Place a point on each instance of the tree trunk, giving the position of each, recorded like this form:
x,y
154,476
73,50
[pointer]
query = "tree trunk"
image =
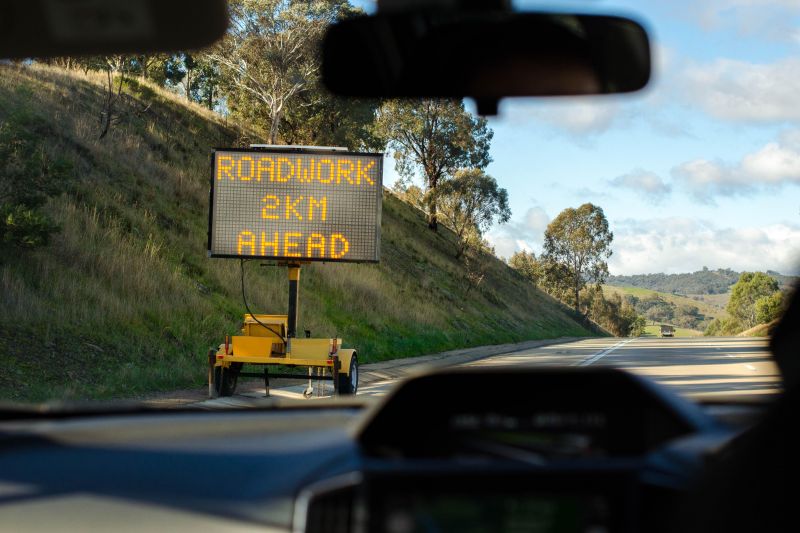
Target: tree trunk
x,y
433,222
273,129
461,248
577,301
108,107
188,84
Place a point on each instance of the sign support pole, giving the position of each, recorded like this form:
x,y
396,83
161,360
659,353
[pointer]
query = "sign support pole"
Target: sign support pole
x,y
294,290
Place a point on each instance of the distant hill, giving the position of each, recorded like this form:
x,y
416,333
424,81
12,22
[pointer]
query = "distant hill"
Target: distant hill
x,y
660,307
691,283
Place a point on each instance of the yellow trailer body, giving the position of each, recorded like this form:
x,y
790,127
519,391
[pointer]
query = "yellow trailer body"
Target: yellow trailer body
x,y
262,347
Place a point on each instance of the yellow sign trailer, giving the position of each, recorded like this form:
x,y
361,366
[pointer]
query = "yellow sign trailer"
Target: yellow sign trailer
x,y
270,340
293,205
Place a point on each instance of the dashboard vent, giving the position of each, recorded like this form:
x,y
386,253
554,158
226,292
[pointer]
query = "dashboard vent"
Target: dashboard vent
x,y
331,512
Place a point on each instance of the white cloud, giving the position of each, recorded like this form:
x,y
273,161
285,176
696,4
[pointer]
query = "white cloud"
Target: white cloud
x,y
776,162
674,245
765,19
706,179
527,235
740,91
505,245
583,117
644,183
774,165
535,222
577,116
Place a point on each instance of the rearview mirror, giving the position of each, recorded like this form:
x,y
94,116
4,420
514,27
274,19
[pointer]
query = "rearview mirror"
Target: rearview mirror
x,y
485,55
53,28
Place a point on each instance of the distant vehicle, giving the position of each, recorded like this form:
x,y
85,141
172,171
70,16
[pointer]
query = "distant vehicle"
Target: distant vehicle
x,y
667,331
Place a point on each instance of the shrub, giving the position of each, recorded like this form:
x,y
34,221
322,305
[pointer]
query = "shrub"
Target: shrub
x,y
24,227
768,308
724,326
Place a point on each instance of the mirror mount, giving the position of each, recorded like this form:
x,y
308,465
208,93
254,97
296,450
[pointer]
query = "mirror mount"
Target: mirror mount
x,y
487,107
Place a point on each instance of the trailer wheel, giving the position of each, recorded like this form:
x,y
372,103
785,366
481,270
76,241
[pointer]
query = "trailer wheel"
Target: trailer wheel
x,y
225,379
348,384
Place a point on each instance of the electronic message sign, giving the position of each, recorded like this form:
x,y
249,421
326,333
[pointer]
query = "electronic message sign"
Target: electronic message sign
x,y
296,205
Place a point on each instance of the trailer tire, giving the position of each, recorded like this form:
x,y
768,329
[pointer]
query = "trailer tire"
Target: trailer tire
x,y
225,379
348,383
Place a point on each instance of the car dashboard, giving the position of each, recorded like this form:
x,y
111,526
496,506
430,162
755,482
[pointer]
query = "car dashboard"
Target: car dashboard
x,y
549,450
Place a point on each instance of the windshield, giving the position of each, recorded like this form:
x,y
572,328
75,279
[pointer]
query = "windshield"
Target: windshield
x,y
160,242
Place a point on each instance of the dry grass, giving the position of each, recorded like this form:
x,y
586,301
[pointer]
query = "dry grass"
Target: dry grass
x,y
761,330
124,300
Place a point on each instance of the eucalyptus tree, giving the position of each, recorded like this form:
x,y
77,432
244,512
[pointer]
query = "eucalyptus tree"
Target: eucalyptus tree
x,y
576,245
434,138
470,203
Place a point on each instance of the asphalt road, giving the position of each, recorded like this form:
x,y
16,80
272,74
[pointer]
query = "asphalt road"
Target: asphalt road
x,y
695,367
699,367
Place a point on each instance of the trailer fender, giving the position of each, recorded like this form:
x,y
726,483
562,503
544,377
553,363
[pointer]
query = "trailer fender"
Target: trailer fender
x,y
345,355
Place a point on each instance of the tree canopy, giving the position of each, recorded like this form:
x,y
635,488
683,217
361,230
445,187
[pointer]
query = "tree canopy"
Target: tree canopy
x,y
525,264
270,55
768,308
470,203
433,138
751,287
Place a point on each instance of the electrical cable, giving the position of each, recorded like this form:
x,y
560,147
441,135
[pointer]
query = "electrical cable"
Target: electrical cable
x,y
249,312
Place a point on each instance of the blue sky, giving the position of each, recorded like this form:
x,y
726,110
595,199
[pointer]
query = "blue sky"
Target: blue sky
x,y
701,169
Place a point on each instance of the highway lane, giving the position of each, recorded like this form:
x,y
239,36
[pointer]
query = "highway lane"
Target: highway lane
x,y
697,367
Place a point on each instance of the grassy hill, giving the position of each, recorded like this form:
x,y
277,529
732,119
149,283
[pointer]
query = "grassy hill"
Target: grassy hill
x,y
720,301
708,309
123,300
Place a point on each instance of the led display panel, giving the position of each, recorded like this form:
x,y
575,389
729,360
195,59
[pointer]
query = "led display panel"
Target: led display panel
x,y
296,205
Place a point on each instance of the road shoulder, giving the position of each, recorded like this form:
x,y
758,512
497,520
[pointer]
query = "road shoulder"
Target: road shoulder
x,y
370,373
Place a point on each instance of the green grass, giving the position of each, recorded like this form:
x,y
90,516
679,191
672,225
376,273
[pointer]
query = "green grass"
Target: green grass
x,y
655,331
124,301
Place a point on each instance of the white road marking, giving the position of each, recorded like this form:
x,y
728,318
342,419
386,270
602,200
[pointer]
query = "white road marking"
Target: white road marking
x,y
599,355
